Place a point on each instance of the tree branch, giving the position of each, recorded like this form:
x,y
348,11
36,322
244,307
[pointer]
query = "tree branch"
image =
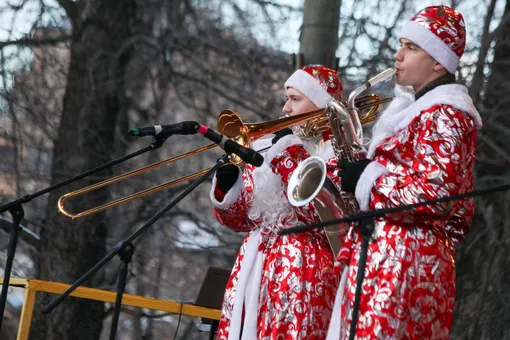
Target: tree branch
x,y
500,151
494,34
35,42
264,3
476,84
6,226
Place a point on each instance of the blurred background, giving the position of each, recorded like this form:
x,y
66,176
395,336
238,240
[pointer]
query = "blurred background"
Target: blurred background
x,y
76,75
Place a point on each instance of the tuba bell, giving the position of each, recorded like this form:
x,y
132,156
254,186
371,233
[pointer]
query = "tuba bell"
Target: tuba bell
x,y
309,183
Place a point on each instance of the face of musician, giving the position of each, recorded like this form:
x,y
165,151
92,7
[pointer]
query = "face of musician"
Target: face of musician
x,y
297,103
415,67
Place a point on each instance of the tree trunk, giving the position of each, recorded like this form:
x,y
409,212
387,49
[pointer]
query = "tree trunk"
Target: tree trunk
x,y
496,95
93,105
319,32
482,299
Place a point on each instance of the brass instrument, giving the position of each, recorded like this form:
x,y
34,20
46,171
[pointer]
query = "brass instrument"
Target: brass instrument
x,y
230,125
314,127
309,183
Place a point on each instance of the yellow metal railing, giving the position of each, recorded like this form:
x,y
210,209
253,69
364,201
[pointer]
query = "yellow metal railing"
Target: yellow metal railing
x,y
33,286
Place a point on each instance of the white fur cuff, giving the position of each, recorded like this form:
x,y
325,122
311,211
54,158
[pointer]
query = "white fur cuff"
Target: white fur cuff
x,y
280,146
230,197
366,182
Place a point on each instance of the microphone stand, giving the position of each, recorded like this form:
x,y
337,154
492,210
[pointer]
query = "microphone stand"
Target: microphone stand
x,y
125,250
366,225
15,208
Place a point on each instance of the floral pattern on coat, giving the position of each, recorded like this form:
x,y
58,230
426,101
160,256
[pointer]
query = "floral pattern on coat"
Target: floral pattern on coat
x,y
409,285
299,272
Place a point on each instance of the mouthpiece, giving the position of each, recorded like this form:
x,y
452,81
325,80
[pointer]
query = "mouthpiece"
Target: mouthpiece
x,y
383,76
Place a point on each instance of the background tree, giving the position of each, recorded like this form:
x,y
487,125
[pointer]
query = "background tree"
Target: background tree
x,y
319,32
94,105
84,72
164,61
483,299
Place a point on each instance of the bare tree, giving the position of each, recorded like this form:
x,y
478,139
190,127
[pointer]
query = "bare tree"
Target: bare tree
x,y
94,104
319,32
482,272
86,71
126,64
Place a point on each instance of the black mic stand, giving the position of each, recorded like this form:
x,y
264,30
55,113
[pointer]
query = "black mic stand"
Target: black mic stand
x,y
366,226
125,249
214,328
15,208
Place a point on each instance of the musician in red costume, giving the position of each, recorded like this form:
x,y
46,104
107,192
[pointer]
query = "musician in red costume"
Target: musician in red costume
x,y
422,148
281,287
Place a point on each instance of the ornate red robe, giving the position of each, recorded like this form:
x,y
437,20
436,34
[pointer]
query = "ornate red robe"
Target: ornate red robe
x,y
281,287
421,150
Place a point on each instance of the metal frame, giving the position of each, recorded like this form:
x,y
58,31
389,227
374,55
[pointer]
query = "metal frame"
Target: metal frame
x,y
33,286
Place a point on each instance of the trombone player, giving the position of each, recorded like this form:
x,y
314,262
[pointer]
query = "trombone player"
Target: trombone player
x,y
422,148
280,286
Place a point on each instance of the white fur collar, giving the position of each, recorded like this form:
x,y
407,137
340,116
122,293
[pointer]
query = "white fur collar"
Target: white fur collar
x,y
269,202
404,109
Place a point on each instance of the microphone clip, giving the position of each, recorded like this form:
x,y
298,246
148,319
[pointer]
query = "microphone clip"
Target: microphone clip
x,y
158,142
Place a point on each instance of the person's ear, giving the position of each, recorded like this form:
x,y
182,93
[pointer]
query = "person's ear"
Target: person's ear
x,y
438,67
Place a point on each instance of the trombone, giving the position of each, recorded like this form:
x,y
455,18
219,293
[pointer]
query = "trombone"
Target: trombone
x,y
229,124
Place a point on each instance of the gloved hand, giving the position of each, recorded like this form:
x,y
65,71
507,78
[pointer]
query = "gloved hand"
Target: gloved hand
x,y
226,177
350,173
280,134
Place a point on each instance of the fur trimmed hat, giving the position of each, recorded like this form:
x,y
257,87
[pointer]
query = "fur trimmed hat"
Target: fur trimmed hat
x,y
318,83
440,31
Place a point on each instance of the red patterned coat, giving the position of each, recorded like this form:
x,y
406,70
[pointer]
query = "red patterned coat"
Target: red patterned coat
x,y
281,287
421,151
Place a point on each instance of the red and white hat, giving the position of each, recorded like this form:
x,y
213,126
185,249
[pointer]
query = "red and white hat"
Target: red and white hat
x,y
318,83
439,31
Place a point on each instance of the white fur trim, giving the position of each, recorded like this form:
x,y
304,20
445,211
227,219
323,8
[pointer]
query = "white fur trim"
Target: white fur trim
x,y
404,97
335,325
248,265
282,144
262,143
366,181
231,196
405,91
269,206
323,149
310,87
397,117
431,44
251,299
326,151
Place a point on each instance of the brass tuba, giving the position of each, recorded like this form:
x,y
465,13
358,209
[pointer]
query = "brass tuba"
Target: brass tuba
x,y
309,183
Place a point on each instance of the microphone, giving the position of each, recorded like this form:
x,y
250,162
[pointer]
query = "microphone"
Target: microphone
x,y
248,155
183,128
